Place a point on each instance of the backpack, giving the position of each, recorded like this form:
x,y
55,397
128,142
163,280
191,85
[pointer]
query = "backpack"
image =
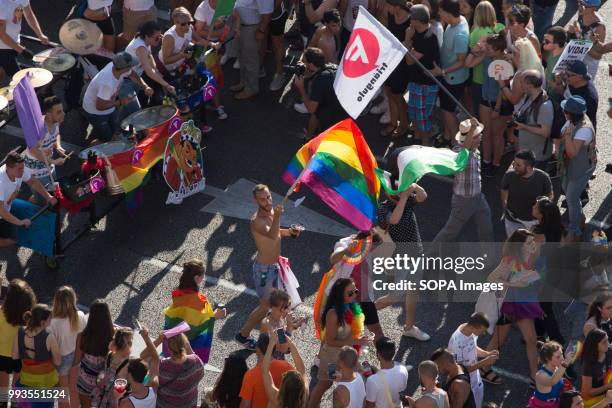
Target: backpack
x,y
74,86
102,395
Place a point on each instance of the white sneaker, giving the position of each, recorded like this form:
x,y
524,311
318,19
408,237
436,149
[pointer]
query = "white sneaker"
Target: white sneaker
x,y
262,72
221,115
380,108
224,59
277,82
416,333
300,107
385,119
236,64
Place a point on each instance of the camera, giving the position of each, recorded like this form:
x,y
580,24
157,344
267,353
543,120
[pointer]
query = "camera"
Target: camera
x,y
516,119
298,69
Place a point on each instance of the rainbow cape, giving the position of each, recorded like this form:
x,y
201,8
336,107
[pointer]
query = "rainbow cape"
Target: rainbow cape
x,y
338,166
192,307
342,269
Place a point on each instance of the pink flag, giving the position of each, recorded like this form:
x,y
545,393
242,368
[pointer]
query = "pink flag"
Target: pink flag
x,y
28,111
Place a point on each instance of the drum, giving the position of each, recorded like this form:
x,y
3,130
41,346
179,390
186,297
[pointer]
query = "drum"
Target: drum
x,y
56,60
107,149
7,93
150,118
194,87
38,76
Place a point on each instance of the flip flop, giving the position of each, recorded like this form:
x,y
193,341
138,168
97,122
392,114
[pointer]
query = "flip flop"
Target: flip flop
x,y
490,377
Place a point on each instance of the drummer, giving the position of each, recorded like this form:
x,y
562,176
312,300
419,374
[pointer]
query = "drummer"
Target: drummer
x,y
102,96
39,159
140,49
175,50
12,174
11,14
99,12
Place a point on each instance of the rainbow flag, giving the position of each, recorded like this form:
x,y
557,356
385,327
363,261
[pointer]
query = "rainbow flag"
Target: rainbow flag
x,y
338,166
192,307
132,166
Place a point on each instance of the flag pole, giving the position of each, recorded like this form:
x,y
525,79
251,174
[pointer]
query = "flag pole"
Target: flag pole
x,y
295,183
442,87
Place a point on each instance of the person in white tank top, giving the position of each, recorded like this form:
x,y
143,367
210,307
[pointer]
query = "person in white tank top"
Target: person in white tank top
x,y
350,389
142,395
428,375
140,49
178,38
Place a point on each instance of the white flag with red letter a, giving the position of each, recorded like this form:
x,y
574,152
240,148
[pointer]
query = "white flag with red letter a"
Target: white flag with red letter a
x,y
371,55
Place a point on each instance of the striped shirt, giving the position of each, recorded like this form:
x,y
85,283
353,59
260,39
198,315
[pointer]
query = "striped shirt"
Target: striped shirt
x,y
467,182
178,383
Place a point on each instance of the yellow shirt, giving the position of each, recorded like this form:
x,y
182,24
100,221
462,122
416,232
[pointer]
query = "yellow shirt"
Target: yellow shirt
x,y
7,336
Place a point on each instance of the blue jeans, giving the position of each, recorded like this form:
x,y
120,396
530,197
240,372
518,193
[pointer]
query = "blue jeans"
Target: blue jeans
x,y
573,189
542,19
104,126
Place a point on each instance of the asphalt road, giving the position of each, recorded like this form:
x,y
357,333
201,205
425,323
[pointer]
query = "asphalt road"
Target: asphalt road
x,y
133,259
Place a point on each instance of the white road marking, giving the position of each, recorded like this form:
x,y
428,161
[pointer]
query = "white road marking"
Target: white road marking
x,y
237,201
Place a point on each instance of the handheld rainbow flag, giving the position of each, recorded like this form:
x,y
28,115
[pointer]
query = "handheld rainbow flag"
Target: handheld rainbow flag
x,y
338,166
192,307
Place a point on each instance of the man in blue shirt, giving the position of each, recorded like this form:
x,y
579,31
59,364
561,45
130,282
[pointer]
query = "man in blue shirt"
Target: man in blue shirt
x,y
455,45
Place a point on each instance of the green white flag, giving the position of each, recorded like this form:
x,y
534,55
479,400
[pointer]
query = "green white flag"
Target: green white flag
x,y
224,8
416,161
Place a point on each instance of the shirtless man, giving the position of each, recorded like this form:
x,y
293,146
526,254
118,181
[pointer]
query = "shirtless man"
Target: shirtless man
x,y
267,233
327,37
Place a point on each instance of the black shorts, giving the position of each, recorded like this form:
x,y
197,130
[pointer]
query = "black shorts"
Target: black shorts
x,y
370,312
8,365
106,26
399,78
506,108
8,62
446,103
8,230
277,27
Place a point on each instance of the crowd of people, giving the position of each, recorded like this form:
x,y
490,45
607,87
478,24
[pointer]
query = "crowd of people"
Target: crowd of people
x,y
545,117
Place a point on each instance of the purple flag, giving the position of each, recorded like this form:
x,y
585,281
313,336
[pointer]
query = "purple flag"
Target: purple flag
x,y
28,111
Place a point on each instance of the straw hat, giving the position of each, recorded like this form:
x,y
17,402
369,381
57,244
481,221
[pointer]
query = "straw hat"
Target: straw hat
x,y
464,129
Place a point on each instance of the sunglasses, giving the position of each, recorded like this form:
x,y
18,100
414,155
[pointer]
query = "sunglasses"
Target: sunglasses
x,y
353,292
186,23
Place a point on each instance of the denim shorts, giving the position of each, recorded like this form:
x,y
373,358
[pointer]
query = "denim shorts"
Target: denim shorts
x,y
266,278
66,364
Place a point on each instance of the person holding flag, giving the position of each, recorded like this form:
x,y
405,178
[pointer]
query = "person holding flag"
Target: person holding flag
x,y
269,270
39,159
468,200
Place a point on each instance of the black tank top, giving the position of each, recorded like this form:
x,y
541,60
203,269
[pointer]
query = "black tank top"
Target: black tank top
x,y
470,402
398,30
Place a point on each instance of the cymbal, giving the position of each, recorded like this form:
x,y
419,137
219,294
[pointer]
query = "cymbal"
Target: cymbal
x,y
55,60
80,36
38,76
7,93
3,102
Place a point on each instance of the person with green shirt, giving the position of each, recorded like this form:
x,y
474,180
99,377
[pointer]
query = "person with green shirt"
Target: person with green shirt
x,y
554,43
485,23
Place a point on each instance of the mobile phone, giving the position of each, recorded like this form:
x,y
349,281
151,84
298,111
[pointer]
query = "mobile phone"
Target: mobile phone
x,y
610,101
137,324
331,371
282,339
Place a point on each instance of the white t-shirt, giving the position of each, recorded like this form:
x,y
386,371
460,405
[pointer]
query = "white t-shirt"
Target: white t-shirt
x,y
464,349
66,337
9,190
100,4
179,42
11,11
103,85
583,134
131,48
204,13
397,379
138,5
348,20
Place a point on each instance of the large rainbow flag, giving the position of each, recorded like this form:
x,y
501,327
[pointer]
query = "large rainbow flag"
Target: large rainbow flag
x,y
338,166
191,306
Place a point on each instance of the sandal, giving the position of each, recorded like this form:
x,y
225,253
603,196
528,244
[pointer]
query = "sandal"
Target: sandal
x,y
490,377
